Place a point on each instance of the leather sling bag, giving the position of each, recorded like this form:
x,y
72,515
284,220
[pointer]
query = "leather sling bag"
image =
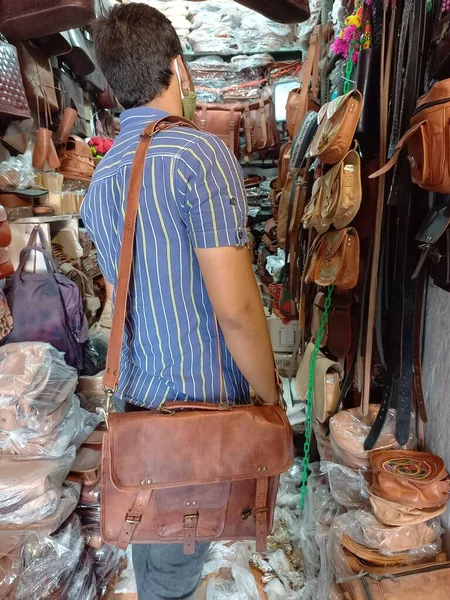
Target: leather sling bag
x,y
189,471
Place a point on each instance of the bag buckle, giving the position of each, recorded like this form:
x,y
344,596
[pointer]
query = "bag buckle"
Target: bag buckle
x,y
190,521
133,520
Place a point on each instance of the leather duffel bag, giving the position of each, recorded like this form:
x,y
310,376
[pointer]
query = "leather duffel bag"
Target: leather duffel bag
x,y
225,485
223,120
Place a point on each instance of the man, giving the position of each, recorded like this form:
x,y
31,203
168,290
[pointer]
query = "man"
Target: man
x,y
196,329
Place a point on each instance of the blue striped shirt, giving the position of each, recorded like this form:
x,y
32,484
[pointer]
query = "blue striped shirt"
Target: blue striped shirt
x,y
193,196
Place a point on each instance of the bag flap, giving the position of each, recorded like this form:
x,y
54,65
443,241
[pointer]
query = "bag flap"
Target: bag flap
x,y
194,447
334,240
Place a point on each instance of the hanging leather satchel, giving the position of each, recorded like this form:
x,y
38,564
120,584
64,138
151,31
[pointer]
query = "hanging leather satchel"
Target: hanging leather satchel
x,y
306,97
225,487
427,139
335,259
337,125
37,78
224,120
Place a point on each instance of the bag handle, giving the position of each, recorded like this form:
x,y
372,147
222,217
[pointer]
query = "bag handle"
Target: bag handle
x,y
111,376
311,67
399,147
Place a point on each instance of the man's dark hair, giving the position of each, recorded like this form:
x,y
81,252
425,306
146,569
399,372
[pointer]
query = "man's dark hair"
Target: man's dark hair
x,y
135,45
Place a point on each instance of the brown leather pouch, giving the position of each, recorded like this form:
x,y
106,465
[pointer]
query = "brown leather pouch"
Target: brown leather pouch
x,y
427,139
37,77
224,120
411,478
335,259
283,165
337,125
338,331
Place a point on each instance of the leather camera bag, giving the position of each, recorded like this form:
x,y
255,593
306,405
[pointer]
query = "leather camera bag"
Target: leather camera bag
x,y
306,97
337,125
429,580
25,19
221,119
335,259
225,487
427,139
408,477
13,101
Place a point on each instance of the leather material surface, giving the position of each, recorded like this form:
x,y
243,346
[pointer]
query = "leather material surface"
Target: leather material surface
x,y
221,119
335,259
284,11
70,95
25,19
259,125
306,97
338,330
431,580
37,77
411,478
428,151
76,160
13,101
337,125
5,230
17,135
395,514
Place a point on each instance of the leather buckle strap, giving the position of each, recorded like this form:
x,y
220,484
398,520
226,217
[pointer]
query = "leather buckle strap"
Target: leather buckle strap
x,y
261,514
133,518
190,523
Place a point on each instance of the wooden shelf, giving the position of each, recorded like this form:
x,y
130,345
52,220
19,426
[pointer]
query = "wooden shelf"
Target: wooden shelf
x,y
44,219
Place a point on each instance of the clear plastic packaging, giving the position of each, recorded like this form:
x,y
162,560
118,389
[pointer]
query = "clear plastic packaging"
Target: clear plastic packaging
x,y
370,542
11,565
50,564
95,351
30,488
290,578
107,562
34,383
347,486
232,583
349,429
77,425
17,172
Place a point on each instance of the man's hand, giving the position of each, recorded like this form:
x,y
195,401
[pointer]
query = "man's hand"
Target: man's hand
x,y
235,298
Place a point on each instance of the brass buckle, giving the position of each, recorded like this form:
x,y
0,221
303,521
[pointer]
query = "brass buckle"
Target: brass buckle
x,y
190,518
261,510
133,520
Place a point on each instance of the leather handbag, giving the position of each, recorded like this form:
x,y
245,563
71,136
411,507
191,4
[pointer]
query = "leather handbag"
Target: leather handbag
x,y
37,77
81,57
258,119
334,259
428,150
17,135
396,514
337,336
327,376
224,120
411,478
337,125
225,486
76,160
13,101
70,95
283,165
306,97
26,19
429,580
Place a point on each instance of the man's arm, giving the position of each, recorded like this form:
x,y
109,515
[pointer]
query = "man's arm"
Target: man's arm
x,y
234,294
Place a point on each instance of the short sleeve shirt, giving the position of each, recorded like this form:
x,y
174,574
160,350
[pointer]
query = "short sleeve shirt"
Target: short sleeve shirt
x,y
192,196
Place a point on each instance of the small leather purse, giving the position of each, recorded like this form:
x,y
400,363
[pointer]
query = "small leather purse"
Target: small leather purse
x,y
411,478
334,259
337,125
327,376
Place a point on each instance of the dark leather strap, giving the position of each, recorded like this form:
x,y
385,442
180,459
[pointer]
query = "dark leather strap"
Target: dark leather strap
x,y
133,519
111,376
190,523
261,513
418,382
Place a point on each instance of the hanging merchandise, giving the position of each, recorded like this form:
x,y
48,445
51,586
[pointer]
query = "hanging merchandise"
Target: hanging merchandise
x,y
13,101
46,307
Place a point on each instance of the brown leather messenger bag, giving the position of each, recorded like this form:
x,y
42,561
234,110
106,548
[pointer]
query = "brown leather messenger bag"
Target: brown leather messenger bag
x,y
189,471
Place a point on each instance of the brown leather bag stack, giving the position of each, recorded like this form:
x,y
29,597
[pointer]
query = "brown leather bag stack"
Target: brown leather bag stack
x,y
225,487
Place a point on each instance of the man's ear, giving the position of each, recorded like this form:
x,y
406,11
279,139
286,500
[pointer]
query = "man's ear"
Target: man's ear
x,y
185,76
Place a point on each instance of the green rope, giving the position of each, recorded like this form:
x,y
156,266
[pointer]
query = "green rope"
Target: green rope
x,y
310,397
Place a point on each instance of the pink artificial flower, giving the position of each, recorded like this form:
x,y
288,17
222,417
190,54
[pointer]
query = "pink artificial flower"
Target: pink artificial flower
x,y
351,33
340,47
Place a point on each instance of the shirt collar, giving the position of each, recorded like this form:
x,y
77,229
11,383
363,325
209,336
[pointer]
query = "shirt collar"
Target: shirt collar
x,y
139,116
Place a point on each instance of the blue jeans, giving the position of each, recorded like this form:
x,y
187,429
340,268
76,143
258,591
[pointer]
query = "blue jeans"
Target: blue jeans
x,y
163,572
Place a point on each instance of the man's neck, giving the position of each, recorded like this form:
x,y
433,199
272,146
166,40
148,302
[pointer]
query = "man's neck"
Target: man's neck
x,y
167,104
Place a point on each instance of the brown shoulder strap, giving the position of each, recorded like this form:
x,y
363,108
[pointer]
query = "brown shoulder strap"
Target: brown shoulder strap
x,y
311,67
111,376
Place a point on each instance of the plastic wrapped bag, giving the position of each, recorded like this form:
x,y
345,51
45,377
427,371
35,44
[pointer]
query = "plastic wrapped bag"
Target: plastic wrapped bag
x,y
348,487
30,489
232,583
11,564
34,383
17,172
50,564
95,351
